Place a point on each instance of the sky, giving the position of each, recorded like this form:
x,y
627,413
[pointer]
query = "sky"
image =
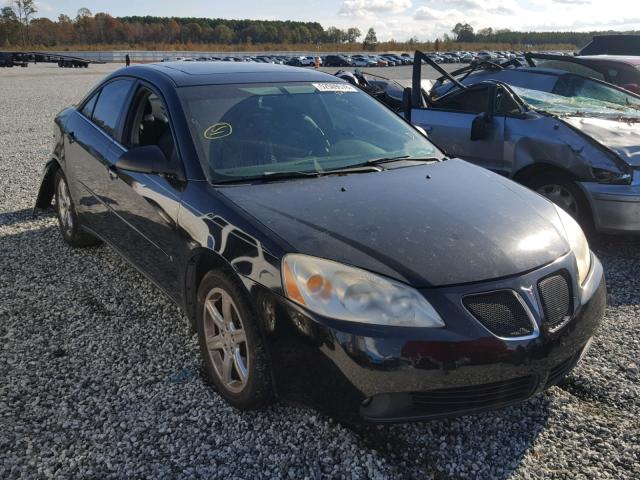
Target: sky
x,y
392,19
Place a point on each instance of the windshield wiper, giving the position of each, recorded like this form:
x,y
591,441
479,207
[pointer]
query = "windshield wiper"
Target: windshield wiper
x,y
407,158
286,175
267,176
378,161
373,165
368,166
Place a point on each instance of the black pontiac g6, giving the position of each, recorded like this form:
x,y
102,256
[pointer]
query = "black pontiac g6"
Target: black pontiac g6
x,y
326,252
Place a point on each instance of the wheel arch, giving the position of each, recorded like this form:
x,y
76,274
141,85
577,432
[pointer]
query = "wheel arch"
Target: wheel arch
x,y
47,184
201,261
526,173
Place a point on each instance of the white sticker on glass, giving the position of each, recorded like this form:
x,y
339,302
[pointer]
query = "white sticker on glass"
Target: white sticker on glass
x,y
334,87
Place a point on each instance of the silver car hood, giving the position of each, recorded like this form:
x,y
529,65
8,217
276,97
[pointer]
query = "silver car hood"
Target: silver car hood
x,y
620,136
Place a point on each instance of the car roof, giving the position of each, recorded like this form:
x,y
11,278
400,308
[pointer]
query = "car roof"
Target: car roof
x,y
219,73
632,60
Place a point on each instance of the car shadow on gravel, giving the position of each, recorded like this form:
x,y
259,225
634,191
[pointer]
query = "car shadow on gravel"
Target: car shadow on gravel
x,y
18,216
493,443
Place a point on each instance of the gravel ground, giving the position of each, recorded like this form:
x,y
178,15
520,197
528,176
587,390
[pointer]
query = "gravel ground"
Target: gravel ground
x,y
100,376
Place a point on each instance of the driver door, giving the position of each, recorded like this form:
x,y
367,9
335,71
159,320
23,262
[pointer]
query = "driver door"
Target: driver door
x,y
449,122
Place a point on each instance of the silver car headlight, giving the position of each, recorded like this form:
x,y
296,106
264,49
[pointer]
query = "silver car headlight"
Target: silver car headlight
x,y
338,291
578,243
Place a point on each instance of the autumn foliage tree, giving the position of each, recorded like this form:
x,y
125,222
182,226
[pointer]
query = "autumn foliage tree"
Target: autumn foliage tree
x,y
19,27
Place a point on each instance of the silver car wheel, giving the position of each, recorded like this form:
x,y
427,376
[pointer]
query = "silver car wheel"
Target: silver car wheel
x,y
65,209
226,340
562,197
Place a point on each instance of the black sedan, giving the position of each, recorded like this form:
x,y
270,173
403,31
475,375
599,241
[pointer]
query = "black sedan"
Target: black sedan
x,y
326,252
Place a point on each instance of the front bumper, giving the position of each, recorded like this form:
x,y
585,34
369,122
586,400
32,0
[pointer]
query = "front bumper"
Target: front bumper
x,y
390,374
616,208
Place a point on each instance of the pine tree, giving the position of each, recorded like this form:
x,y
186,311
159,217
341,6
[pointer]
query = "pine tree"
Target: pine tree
x,y
370,40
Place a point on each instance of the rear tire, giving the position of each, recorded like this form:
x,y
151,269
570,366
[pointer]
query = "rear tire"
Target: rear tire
x,y
562,190
231,344
68,220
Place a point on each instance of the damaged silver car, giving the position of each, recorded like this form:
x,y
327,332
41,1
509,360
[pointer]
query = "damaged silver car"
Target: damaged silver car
x,y
573,139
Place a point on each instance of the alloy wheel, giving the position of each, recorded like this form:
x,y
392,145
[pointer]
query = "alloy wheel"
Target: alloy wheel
x,y
562,197
226,340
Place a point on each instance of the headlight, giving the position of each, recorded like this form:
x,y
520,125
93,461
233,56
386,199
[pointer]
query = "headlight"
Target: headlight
x,y
618,177
577,242
338,291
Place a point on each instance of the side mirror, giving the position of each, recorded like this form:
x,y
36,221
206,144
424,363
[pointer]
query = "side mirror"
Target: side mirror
x,y
481,127
147,159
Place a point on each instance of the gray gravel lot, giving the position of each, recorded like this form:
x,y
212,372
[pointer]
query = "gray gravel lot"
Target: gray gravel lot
x,y
100,376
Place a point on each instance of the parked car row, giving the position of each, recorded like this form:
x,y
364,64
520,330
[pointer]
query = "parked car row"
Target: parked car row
x,y
338,60
359,59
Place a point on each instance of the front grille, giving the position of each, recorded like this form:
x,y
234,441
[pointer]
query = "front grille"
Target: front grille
x,y
451,400
501,312
555,294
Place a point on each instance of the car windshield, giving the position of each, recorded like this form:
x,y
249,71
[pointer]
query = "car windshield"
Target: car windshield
x,y
249,130
577,105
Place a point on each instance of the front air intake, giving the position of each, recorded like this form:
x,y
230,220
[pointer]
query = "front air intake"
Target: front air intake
x,y
555,294
501,312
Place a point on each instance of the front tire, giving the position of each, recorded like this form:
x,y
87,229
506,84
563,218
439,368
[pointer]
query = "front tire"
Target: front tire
x,y
230,343
68,220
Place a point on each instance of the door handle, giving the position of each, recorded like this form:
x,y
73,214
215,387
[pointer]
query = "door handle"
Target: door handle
x,y
71,136
113,172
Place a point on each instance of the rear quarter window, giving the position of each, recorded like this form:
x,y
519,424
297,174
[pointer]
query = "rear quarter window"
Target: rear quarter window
x,y
87,110
110,105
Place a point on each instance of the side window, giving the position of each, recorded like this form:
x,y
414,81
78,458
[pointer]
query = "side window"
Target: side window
x,y
572,67
149,124
620,76
505,104
87,110
473,101
110,103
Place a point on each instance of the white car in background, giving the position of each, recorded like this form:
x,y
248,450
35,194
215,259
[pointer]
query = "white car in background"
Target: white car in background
x,y
309,61
363,62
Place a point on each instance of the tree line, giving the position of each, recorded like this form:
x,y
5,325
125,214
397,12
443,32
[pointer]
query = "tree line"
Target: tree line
x,y
463,32
20,28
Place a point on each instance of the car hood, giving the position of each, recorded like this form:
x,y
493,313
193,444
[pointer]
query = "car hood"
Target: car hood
x,y
620,136
429,225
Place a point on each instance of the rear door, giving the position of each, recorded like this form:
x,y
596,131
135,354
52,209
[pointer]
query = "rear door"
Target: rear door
x,y
449,123
88,140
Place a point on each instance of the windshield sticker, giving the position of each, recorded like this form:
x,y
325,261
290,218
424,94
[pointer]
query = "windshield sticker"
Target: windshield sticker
x,y
218,130
334,87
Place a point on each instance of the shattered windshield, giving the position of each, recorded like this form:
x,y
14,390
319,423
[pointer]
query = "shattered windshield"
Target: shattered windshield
x,y
583,106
